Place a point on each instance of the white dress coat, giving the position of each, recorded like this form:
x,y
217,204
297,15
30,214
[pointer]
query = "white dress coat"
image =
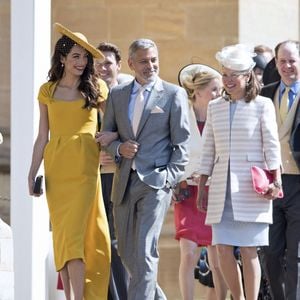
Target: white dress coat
x,y
252,140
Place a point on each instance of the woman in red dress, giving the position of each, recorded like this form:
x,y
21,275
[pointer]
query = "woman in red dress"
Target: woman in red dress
x,y
202,84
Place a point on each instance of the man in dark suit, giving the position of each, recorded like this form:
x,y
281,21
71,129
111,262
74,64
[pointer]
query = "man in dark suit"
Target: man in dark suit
x,y
151,153
284,234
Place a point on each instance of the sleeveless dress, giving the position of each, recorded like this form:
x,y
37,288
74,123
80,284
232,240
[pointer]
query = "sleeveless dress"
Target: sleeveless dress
x,y
73,190
189,221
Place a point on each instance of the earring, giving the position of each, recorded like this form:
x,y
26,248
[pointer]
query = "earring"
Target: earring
x,y
62,65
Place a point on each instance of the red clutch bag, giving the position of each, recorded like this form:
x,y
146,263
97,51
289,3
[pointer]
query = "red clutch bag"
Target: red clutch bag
x,y
261,178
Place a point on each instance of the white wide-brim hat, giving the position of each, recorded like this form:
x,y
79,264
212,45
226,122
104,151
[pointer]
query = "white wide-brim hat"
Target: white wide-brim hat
x,y
79,39
192,69
237,57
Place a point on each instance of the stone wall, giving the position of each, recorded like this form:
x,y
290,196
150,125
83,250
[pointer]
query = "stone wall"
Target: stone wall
x,y
185,30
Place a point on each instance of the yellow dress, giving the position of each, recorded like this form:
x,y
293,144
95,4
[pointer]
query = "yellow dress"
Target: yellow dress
x,y
73,190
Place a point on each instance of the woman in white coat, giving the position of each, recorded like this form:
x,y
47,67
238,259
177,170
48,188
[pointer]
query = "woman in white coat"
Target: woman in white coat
x,y
240,132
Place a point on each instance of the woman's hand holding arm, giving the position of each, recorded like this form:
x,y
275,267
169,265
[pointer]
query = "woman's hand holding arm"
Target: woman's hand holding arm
x,y
105,158
106,137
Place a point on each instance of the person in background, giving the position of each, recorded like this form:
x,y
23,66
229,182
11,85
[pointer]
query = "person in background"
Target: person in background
x,y
270,74
202,84
267,72
108,70
240,132
264,55
151,118
265,51
260,65
284,233
68,105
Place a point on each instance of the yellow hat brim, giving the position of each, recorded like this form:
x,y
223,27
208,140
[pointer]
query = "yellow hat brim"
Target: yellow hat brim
x,y
79,39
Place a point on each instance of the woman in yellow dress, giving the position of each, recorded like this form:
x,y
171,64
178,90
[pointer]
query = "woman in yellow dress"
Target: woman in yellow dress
x,y
68,105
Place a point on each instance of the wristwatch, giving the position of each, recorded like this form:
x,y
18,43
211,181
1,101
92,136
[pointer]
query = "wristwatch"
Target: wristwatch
x,y
277,184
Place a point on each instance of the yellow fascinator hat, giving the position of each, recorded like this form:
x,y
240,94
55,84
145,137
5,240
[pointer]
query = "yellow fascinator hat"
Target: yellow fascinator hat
x,y
79,39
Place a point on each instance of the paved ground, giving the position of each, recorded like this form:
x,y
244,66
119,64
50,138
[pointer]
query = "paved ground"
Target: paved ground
x,y
169,263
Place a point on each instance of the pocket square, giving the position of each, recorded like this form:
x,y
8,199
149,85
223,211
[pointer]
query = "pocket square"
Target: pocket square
x,y
157,110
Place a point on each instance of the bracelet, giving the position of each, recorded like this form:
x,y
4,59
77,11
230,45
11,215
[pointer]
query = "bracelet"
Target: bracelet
x,y
277,184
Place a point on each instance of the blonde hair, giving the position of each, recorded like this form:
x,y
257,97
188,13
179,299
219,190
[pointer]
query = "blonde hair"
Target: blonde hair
x,y
198,81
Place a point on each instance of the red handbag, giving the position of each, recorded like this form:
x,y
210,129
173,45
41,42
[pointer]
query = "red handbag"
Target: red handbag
x,y
261,178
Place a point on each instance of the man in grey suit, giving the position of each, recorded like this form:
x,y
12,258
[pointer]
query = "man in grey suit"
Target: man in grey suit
x,y
150,160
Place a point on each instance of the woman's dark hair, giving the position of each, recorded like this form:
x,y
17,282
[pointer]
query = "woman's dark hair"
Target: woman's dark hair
x,y
252,88
88,81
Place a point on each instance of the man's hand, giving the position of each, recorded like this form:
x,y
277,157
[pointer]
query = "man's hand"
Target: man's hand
x,y
128,149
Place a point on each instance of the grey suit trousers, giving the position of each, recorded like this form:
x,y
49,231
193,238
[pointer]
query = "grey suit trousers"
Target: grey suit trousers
x,y
138,222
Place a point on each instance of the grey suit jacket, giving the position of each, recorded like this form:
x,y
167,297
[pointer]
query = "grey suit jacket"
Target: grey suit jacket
x,y
162,134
